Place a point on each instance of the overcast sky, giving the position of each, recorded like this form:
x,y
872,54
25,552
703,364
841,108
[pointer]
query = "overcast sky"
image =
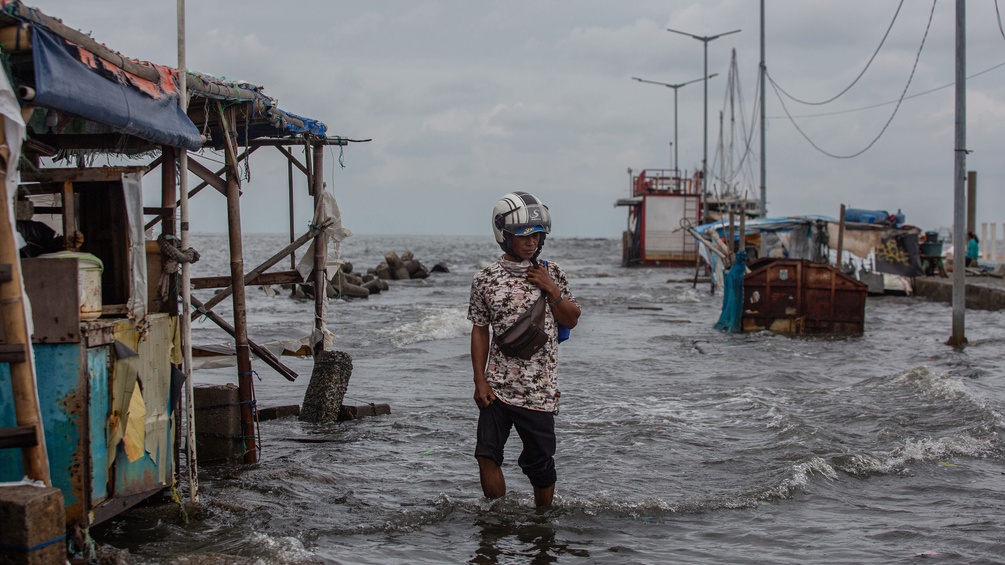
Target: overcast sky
x,y
465,101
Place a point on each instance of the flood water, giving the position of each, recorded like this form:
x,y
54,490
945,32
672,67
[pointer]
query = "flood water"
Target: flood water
x,y
676,443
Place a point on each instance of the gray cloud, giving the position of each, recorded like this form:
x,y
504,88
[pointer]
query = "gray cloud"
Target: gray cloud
x,y
468,100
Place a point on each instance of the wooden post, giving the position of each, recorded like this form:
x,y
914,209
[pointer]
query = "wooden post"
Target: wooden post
x,y
840,247
732,233
245,381
69,216
169,194
743,228
293,254
320,248
15,331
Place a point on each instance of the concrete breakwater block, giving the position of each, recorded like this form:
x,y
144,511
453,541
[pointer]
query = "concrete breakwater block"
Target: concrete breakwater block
x,y
329,381
277,412
356,412
32,525
218,436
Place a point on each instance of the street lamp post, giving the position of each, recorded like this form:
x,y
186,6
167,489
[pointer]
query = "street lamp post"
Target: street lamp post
x,y
674,87
704,160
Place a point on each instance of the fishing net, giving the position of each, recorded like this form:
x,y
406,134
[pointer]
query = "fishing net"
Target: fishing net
x,y
732,296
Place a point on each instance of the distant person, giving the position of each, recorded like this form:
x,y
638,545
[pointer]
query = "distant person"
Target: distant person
x,y
514,391
973,249
39,237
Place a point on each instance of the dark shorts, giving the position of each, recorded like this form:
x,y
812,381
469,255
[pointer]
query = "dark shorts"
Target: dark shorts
x,y
536,429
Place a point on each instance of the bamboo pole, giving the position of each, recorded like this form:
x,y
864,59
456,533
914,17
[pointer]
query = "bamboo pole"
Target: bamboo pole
x,y
320,250
245,383
191,456
221,295
15,330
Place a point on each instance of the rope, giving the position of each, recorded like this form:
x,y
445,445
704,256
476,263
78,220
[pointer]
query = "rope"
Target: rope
x,y
26,549
170,247
215,406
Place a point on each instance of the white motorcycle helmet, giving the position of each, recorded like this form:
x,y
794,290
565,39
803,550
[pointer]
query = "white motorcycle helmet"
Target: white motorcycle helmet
x,y
520,213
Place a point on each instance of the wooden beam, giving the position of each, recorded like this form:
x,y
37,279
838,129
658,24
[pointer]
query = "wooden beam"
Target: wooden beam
x,y
16,38
293,160
74,174
261,352
278,277
207,175
13,353
201,186
110,142
288,141
21,436
294,245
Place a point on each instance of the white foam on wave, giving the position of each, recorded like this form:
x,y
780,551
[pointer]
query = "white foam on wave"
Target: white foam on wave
x,y
800,477
929,383
281,550
446,323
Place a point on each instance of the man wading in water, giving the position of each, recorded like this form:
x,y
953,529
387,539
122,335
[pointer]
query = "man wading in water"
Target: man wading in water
x,y
514,390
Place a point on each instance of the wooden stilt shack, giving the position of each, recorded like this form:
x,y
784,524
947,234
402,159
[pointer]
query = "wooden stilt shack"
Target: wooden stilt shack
x,y
109,378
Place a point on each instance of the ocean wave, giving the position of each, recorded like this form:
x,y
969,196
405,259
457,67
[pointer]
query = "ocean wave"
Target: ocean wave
x,y
444,323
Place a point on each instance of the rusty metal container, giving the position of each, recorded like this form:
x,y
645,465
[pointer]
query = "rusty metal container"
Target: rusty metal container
x,y
800,297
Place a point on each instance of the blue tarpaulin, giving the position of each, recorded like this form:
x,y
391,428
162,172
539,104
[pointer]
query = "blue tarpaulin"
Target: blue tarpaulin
x,y
65,84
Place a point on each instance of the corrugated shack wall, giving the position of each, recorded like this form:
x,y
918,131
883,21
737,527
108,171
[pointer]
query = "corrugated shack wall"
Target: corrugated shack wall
x,y
109,415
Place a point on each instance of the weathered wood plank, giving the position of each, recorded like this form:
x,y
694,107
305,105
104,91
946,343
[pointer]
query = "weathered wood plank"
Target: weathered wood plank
x,y
278,277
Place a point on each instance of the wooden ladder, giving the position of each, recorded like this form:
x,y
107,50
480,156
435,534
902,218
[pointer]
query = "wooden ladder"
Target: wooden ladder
x,y
27,435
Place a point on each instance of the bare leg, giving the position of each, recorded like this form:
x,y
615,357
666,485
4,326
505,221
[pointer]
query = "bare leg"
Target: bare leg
x,y
543,496
493,481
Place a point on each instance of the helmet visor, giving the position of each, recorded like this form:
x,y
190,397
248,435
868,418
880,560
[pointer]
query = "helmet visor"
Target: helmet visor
x,y
526,230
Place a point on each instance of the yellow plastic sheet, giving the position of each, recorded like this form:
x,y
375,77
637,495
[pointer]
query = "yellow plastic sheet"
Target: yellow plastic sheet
x,y
136,426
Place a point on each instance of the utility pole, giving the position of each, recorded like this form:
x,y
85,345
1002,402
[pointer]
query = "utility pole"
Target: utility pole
x,y
958,338
674,87
704,159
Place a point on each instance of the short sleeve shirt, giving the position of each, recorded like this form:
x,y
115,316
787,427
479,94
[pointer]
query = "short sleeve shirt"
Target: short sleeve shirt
x,y
498,297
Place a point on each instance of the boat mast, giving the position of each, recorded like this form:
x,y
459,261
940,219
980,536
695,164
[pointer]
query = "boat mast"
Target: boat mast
x,y
764,158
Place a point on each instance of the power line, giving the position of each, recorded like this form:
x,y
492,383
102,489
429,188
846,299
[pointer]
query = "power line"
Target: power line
x,y
892,115
867,65
887,103
999,14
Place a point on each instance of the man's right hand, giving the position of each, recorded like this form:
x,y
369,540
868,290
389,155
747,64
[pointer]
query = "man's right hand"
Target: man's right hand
x,y
483,393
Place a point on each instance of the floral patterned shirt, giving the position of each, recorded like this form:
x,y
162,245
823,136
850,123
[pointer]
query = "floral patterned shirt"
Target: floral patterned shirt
x,y
499,294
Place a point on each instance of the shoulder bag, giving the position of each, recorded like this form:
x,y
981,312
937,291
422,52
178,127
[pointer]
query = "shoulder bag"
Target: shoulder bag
x,y
526,336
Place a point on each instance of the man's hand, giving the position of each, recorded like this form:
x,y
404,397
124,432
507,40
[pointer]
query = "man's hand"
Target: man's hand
x,y
539,276
483,393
